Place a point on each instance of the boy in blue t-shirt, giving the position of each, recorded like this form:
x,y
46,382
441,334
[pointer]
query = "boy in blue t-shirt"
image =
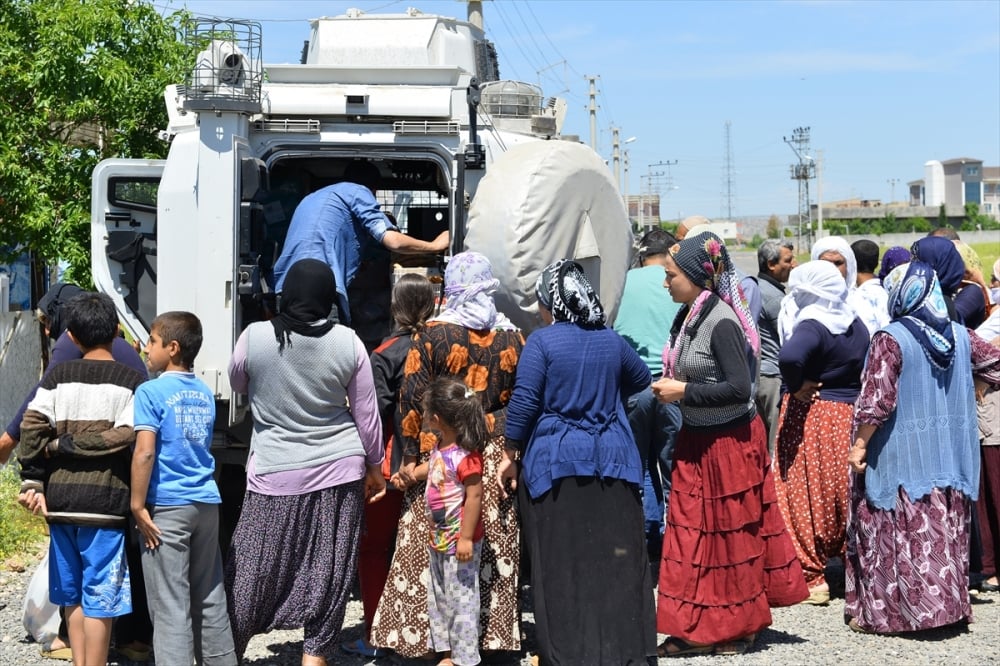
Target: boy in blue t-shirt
x,y
175,500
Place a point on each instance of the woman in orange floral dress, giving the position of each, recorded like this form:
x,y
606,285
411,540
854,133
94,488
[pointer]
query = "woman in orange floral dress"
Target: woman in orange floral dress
x,y
473,342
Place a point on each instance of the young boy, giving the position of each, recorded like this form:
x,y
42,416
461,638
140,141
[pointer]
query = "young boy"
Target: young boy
x,y
175,500
74,453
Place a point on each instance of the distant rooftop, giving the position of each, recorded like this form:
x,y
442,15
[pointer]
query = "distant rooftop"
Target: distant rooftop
x,y
962,160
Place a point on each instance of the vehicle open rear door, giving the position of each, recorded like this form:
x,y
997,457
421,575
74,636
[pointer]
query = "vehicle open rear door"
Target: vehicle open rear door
x,y
123,238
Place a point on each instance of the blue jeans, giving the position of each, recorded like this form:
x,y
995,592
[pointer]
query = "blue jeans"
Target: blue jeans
x,y
654,426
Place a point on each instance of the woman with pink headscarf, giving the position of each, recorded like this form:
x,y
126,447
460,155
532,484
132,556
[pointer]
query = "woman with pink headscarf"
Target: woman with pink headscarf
x,y
727,557
473,342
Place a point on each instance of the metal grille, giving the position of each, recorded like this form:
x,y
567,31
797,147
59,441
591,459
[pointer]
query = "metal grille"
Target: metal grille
x,y
227,73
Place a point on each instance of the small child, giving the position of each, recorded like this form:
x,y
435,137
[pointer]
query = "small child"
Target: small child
x,y
74,454
175,500
454,496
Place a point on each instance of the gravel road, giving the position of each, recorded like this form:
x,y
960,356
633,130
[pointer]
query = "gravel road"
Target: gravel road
x,y
800,635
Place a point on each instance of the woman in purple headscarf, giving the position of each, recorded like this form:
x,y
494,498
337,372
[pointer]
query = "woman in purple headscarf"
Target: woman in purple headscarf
x,y
473,342
727,557
893,257
916,463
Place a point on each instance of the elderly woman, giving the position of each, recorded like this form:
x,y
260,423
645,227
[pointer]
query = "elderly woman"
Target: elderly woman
x,y
822,354
579,488
315,454
473,342
727,557
916,463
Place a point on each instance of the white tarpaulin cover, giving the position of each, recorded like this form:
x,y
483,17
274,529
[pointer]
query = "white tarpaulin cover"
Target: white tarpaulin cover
x,y
548,200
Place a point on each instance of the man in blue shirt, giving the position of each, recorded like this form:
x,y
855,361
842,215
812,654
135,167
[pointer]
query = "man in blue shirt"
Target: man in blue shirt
x,y
340,223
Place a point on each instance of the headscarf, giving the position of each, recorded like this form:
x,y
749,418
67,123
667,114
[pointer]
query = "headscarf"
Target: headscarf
x,y
52,302
973,264
840,246
705,261
469,286
564,290
893,257
943,257
307,302
916,301
816,290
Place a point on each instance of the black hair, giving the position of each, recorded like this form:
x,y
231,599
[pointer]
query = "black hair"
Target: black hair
x,y
866,254
91,318
412,302
364,173
945,232
654,242
185,329
460,408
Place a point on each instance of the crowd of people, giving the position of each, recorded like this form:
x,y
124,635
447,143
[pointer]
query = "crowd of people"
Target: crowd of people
x,y
678,474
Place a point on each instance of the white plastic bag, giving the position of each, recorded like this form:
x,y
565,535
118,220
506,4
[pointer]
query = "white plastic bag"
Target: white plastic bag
x,y
41,616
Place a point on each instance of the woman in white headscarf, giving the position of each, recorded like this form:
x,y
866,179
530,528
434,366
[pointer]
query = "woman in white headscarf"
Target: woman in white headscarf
x,y
822,355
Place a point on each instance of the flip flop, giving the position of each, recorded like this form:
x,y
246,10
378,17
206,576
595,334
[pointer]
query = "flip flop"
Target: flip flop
x,y
681,648
360,647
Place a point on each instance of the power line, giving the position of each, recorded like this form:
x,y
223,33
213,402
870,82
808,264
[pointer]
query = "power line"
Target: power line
x,y
546,35
529,32
513,37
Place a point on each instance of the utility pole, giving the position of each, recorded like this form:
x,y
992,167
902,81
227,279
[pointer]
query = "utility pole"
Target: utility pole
x,y
653,185
802,172
628,206
892,184
728,177
615,158
593,111
819,193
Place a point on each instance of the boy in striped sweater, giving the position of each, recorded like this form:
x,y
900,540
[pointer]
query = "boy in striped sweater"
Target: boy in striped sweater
x,y
75,452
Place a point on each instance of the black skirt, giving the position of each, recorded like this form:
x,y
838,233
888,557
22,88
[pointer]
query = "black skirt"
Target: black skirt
x,y
590,577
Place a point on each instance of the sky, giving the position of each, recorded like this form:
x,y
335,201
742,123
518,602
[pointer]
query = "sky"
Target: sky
x,y
882,86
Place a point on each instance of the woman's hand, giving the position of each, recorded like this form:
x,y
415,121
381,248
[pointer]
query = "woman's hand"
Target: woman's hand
x,y
407,474
668,390
856,457
374,483
808,392
507,473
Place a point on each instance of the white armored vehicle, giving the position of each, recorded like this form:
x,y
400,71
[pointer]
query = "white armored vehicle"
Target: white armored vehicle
x,y
419,96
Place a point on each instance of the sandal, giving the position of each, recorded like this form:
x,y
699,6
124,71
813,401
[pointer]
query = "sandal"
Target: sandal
x,y
853,625
733,648
64,653
681,648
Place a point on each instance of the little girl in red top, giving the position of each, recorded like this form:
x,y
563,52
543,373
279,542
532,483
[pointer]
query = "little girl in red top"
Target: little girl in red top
x,y
454,496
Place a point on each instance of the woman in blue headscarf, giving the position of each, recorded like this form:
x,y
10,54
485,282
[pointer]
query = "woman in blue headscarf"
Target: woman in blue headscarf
x,y
916,463
943,257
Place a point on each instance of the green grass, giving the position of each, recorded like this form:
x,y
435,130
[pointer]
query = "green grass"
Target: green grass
x,y
988,254
20,532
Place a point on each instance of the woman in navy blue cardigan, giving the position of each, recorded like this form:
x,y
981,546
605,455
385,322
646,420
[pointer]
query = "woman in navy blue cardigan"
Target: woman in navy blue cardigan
x,y
579,487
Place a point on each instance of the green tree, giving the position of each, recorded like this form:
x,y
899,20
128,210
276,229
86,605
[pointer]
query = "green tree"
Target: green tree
x,y
79,82
773,227
942,220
